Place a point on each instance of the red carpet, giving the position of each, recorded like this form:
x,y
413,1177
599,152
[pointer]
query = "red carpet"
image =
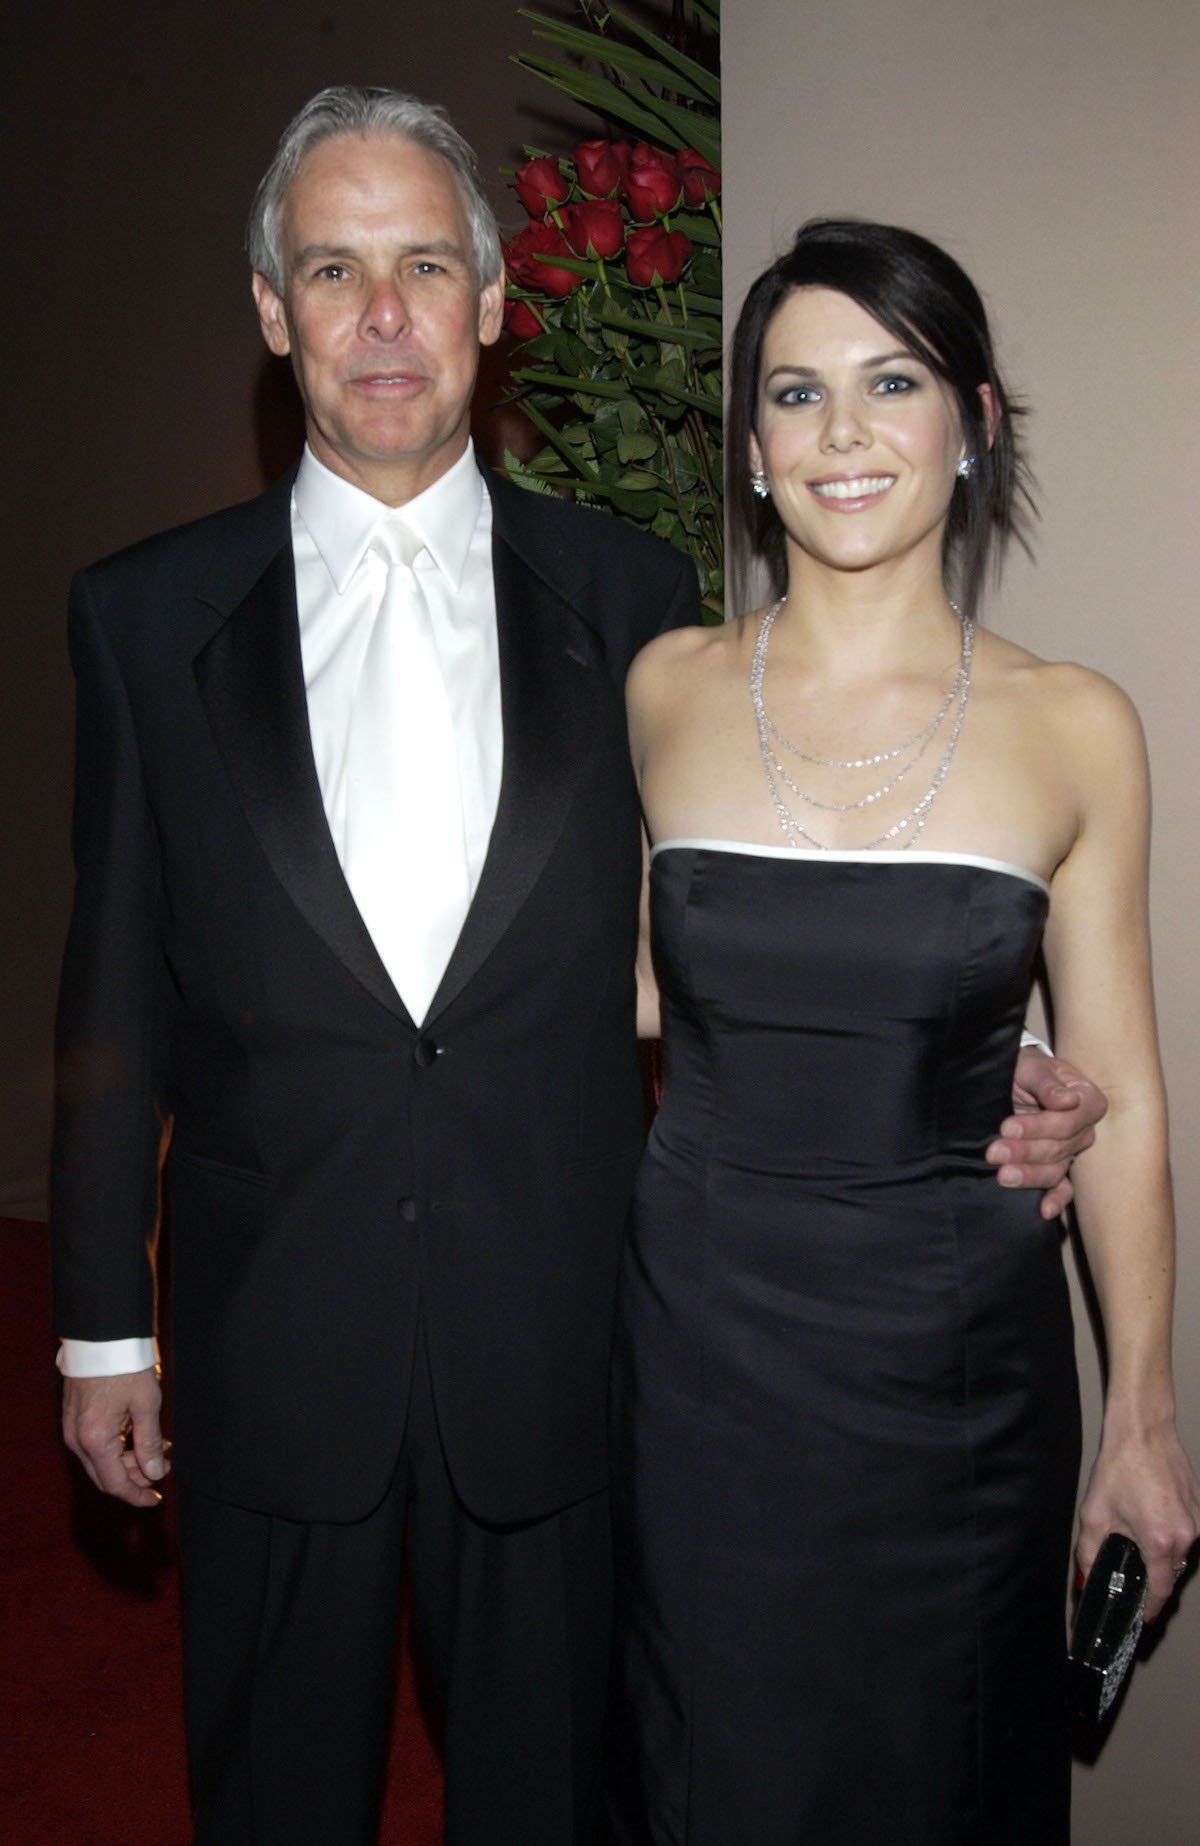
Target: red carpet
x,y
91,1743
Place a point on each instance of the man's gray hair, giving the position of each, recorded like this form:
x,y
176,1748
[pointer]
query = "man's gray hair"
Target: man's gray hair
x,y
345,109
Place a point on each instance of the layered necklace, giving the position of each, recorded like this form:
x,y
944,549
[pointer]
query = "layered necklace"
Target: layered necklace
x,y
771,741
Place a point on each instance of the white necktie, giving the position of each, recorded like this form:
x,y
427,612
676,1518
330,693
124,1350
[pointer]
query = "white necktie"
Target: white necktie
x,y
404,856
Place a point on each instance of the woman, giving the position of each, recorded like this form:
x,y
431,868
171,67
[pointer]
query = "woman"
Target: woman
x,y
846,1407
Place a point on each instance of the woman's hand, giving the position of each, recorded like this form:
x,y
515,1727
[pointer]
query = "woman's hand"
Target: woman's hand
x,y
1143,1485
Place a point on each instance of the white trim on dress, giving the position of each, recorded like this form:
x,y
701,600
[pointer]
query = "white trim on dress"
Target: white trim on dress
x,y
886,855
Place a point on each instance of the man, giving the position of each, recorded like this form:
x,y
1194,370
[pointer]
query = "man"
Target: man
x,y
399,1057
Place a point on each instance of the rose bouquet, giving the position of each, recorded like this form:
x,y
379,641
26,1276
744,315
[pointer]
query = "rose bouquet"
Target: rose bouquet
x,y
614,291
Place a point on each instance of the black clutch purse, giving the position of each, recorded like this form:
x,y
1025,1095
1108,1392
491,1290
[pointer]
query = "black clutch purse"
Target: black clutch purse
x,y
1107,1625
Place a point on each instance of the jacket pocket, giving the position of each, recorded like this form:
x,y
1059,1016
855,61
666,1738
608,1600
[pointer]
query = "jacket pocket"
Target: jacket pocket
x,y
602,1163
204,1165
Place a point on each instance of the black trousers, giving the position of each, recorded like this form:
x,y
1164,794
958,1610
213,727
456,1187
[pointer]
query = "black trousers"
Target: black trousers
x,y
289,1651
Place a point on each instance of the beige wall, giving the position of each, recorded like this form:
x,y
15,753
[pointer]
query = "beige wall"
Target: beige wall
x,y
1054,147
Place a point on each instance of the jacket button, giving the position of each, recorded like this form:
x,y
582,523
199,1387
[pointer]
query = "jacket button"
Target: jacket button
x,y
408,1210
425,1053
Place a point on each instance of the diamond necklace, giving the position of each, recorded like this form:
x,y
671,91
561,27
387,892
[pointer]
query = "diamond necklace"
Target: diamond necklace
x,y
773,768
917,743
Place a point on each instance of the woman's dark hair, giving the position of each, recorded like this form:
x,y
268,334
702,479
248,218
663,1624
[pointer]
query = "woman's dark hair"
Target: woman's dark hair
x,y
922,297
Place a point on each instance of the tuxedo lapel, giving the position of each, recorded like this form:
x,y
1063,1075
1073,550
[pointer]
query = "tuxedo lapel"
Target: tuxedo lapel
x,y
250,677
251,680
551,681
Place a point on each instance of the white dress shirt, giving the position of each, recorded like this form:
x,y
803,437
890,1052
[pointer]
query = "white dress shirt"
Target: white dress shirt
x,y
339,585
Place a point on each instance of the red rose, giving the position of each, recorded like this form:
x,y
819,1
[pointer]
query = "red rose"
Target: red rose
x,y
601,166
521,253
701,180
652,185
540,186
521,321
655,255
596,227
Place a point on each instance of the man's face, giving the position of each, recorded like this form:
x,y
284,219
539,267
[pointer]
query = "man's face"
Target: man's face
x,y
380,312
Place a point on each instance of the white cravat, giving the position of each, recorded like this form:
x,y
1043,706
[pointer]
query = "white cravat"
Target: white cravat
x,y
404,856
338,586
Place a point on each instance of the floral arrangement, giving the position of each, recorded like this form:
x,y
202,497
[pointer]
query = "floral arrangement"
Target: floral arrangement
x,y
614,291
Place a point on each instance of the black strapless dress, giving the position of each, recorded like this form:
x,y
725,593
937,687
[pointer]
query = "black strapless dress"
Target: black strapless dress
x,y
845,1406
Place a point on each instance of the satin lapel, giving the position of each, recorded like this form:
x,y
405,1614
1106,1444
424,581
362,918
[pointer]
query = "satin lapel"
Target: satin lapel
x,y
551,681
251,681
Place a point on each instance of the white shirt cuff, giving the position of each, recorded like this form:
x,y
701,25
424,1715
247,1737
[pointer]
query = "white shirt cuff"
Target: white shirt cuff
x,y
1031,1038
105,1358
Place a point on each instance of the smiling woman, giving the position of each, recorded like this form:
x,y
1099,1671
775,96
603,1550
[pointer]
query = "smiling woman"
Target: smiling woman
x,y
845,1400
818,424
923,319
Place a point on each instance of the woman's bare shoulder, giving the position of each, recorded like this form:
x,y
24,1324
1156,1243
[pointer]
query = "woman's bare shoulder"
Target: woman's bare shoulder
x,y
682,658
1082,710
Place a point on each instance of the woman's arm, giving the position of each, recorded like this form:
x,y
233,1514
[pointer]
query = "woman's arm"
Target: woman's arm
x,y
651,706
1098,958
648,1016
640,702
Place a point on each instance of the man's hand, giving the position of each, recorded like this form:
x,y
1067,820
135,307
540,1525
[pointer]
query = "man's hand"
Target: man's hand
x,y
112,1425
1057,1109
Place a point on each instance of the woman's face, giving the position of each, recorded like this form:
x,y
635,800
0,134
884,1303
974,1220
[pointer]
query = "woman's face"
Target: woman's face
x,y
858,439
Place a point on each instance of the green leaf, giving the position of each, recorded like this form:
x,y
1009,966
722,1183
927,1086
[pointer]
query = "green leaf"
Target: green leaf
x,y
524,476
542,346
555,440
594,387
690,128
578,265
710,405
571,352
704,84
698,226
709,331
704,277
685,468
635,506
700,303
677,333
547,465
609,100
668,68
637,447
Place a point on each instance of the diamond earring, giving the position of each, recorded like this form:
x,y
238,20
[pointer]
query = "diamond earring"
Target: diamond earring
x,y
758,482
966,467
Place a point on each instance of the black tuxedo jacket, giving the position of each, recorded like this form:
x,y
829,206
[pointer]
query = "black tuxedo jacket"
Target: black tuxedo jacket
x,y
332,1166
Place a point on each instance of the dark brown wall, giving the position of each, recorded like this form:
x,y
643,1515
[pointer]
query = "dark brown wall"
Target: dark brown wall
x,y
137,391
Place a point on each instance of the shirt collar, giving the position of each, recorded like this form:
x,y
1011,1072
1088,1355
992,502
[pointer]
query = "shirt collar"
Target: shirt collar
x,y
340,517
